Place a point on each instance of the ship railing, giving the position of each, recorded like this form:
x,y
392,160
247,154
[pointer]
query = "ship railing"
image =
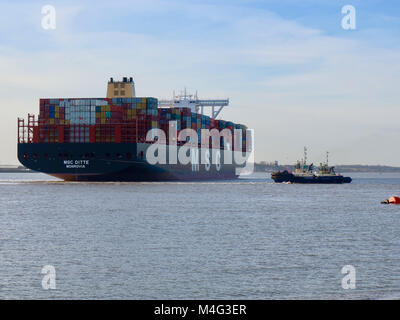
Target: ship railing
x,y
25,130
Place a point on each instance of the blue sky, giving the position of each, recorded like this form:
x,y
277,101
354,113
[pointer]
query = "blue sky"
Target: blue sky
x,y
291,71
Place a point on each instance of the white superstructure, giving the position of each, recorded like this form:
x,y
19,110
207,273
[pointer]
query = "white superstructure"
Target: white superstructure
x,y
195,104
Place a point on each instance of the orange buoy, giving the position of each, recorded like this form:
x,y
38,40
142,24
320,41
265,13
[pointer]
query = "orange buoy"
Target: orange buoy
x,y
394,200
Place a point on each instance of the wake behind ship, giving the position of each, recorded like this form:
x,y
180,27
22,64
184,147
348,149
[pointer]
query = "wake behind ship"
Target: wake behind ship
x,y
107,139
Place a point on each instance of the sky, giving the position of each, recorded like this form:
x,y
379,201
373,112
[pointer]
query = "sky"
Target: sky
x,y
290,70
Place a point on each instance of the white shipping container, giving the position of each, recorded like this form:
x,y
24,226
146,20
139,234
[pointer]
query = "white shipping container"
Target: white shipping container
x,y
101,102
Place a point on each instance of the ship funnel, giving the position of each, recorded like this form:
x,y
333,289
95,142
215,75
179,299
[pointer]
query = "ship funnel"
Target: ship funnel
x,y
121,89
133,87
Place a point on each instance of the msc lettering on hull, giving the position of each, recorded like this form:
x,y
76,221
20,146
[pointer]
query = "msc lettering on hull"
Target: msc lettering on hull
x,y
74,164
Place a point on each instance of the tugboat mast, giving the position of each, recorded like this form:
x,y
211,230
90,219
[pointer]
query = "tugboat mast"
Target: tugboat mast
x,y
305,155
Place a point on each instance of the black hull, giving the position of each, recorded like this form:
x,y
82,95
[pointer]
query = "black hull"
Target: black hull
x,y
285,176
112,162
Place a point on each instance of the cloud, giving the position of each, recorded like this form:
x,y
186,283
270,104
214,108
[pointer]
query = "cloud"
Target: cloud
x,y
293,84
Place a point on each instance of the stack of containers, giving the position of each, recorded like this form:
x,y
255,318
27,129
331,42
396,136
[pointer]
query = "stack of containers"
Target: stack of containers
x,y
176,116
230,127
81,114
50,116
141,119
50,111
198,126
118,120
238,144
102,113
194,121
222,126
164,115
152,113
186,120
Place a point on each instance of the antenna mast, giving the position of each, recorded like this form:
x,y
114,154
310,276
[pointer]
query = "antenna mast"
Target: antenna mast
x,y
305,155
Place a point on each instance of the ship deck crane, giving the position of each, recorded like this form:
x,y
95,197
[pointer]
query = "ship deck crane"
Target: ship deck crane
x,y
196,105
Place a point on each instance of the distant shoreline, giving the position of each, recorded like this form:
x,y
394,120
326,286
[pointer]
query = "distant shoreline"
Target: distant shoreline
x,y
259,167
14,169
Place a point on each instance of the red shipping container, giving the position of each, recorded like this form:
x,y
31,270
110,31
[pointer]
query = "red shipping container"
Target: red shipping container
x,y
35,134
92,134
118,133
115,109
60,130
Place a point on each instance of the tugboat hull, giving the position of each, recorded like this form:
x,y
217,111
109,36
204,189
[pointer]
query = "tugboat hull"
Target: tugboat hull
x,y
286,176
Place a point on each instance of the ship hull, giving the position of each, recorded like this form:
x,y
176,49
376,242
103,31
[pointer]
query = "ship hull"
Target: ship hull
x,y
113,162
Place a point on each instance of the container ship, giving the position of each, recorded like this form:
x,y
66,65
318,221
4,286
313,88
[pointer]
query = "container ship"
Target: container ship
x,y
107,139
304,173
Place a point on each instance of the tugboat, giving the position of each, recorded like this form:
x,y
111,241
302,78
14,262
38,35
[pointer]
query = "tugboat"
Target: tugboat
x,y
305,173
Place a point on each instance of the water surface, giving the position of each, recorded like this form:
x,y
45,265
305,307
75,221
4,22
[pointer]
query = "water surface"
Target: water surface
x,y
244,239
